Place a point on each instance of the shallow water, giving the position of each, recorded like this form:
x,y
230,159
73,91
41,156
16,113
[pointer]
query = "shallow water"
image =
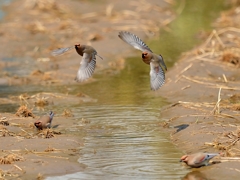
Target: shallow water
x,y
124,139
127,145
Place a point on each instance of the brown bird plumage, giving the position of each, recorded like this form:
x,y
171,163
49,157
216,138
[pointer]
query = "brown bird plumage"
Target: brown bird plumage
x,y
157,75
88,63
198,159
44,121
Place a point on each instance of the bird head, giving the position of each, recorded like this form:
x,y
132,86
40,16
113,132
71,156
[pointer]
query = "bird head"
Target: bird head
x,y
144,55
184,158
38,124
77,46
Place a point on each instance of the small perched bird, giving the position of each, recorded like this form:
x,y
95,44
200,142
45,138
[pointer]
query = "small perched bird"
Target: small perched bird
x,y
88,63
157,75
44,121
198,159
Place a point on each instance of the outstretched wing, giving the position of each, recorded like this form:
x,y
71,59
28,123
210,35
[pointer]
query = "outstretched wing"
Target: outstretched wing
x,y
60,51
134,41
157,76
87,67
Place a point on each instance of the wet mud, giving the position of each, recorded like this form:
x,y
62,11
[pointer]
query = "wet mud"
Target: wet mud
x,y
30,30
203,86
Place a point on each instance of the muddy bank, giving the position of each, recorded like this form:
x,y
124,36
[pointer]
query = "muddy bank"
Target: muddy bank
x,y
49,25
204,88
30,153
192,85
27,40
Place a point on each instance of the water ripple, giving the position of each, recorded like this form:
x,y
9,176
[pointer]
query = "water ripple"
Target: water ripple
x,y
130,145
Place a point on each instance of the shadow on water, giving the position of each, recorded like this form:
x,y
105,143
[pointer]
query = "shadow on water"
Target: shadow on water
x,y
123,140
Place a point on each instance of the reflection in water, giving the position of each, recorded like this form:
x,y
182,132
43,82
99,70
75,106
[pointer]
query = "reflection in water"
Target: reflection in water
x,y
130,86
195,175
125,142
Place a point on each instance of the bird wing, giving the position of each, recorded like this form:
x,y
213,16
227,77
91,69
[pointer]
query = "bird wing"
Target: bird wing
x,y
204,157
134,41
48,125
51,114
87,67
157,76
162,62
200,158
60,51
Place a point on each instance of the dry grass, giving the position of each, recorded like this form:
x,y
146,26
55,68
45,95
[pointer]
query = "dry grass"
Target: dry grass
x,y
41,101
40,177
85,121
37,73
23,111
235,107
67,113
5,174
44,5
36,27
233,102
217,47
47,133
231,58
4,132
4,122
204,109
10,159
235,98
227,142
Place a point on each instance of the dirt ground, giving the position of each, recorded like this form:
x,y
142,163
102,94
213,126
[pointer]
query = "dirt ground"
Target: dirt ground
x,y
203,85
30,30
204,88
51,24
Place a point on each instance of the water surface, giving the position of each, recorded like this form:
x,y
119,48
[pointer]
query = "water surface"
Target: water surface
x,y
124,139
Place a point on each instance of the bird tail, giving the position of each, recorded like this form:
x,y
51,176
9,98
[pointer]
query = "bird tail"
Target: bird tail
x,y
99,56
51,114
162,62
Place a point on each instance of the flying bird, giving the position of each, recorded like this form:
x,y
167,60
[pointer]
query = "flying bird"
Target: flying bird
x,y
88,63
157,75
198,159
45,121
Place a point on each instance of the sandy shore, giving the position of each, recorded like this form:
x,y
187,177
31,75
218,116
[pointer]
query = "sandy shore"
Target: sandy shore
x,y
203,86
29,32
